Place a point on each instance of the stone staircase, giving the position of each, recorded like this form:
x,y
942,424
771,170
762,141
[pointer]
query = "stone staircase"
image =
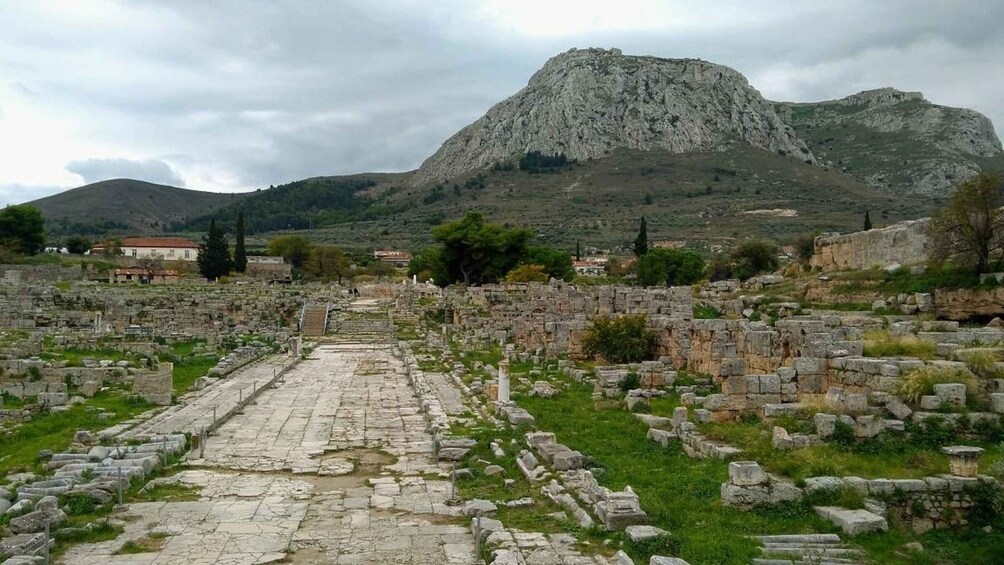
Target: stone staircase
x,y
807,549
362,330
315,320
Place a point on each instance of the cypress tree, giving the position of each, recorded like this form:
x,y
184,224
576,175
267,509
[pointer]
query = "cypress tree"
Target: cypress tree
x,y
240,252
578,251
868,221
641,242
214,253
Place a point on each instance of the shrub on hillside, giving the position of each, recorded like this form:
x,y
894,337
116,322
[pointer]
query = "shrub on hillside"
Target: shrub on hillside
x,y
624,339
920,382
754,257
527,273
670,267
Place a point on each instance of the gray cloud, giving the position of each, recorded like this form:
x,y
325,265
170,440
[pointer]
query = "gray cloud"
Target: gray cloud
x,y
237,97
149,170
17,193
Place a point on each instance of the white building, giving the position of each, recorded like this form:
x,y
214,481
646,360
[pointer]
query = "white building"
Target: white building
x,y
167,248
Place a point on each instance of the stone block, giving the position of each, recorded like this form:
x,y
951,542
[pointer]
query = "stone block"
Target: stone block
x,y
853,522
856,403
810,384
825,424
744,497
661,437
898,409
567,460
746,473
809,365
951,394
930,402
716,402
641,532
997,402
770,384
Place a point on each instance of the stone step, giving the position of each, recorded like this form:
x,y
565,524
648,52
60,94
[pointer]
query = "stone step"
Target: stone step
x,y
805,552
800,538
852,522
813,561
804,545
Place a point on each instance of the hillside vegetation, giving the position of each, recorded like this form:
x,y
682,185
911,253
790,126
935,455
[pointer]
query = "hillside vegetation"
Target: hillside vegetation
x,y
703,198
125,206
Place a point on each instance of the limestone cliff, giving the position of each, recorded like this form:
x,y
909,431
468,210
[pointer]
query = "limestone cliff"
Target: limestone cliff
x,y
584,103
897,140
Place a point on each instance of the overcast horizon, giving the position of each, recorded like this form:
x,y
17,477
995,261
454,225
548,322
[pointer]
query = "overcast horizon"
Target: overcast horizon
x,y
234,96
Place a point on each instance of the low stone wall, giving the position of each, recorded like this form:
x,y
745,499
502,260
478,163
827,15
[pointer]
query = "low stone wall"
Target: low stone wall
x,y
938,502
20,274
904,243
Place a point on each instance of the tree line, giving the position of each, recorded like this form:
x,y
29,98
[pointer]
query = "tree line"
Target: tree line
x,y
472,251
303,204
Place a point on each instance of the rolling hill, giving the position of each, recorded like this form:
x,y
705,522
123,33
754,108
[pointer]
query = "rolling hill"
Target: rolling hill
x,y
126,206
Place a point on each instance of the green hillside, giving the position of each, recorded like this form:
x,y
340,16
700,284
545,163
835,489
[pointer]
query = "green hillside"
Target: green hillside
x,y
698,197
125,206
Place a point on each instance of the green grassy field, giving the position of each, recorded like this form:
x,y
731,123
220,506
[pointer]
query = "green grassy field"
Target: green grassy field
x,y
54,430
681,494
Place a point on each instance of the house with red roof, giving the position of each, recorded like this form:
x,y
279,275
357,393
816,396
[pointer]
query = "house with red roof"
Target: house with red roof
x,y
167,248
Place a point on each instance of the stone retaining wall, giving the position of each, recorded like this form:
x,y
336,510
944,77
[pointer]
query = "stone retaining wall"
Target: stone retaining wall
x,y
938,502
904,243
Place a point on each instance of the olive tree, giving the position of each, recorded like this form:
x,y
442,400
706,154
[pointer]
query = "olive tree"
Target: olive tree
x,y
971,227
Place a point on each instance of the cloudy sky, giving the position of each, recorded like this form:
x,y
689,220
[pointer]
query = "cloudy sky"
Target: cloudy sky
x,y
235,95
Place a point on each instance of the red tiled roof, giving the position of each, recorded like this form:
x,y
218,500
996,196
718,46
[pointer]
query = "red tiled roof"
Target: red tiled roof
x,y
155,242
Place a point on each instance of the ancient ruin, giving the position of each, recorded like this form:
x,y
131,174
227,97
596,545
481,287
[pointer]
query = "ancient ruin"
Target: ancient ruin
x,y
304,424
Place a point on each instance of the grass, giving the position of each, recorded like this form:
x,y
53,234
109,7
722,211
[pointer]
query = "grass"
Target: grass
x,y
185,348
908,462
681,494
153,542
88,528
168,493
54,430
902,281
880,343
187,370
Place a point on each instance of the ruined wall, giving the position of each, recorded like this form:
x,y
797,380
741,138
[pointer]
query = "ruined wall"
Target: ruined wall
x,y
178,308
155,386
20,274
555,317
938,502
904,243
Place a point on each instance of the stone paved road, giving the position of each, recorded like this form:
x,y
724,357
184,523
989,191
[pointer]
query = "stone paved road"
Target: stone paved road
x,y
224,395
332,466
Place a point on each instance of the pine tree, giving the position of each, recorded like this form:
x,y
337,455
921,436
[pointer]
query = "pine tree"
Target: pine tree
x,y
240,252
641,242
578,251
214,253
868,221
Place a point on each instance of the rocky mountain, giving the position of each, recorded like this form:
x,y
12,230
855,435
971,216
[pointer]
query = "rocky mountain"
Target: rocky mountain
x,y
897,140
585,103
688,144
126,206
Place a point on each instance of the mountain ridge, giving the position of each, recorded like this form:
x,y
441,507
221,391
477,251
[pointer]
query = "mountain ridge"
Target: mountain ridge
x,y
585,102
